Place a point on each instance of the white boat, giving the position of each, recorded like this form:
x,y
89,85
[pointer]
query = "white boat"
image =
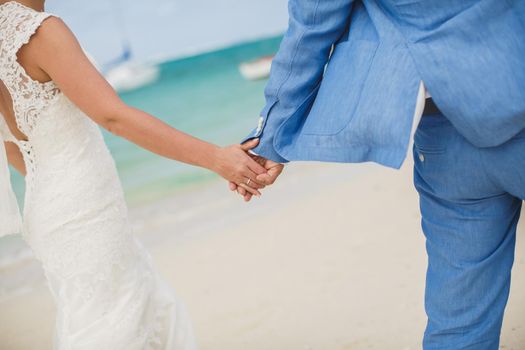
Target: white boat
x,y
129,76
258,69
125,73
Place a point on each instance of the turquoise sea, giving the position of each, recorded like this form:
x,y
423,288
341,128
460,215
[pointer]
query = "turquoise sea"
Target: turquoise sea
x,y
204,95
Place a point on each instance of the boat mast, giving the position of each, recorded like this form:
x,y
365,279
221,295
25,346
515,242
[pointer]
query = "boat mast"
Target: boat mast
x,y
120,23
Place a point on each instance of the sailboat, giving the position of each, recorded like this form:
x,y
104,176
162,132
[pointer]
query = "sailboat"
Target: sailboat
x,y
128,75
124,73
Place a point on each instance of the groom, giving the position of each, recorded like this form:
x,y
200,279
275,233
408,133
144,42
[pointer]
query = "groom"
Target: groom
x,y
349,84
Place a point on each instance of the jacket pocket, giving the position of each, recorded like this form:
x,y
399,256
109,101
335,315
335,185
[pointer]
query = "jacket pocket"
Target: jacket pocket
x,y
341,87
292,124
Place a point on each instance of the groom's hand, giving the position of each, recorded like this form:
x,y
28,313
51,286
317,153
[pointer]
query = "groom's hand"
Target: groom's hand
x,y
273,170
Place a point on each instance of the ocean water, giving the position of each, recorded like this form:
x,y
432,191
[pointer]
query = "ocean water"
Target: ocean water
x,y
204,95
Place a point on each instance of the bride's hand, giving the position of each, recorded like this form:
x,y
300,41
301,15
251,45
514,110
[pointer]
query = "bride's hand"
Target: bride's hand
x,y
235,165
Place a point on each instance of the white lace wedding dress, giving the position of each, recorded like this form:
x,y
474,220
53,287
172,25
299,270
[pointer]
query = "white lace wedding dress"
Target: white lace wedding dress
x,y
108,295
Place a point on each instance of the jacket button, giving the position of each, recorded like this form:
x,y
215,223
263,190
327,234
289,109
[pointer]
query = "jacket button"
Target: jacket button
x,y
260,124
421,157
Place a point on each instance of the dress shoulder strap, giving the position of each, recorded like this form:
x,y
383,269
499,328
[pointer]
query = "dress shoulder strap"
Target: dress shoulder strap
x,y
18,24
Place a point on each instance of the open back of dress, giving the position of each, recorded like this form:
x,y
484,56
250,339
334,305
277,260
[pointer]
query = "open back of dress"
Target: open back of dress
x,y
8,115
21,99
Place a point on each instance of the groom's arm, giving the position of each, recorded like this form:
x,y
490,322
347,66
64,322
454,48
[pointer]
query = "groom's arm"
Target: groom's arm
x,y
314,26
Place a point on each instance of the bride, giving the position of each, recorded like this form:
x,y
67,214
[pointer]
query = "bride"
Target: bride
x,y
108,295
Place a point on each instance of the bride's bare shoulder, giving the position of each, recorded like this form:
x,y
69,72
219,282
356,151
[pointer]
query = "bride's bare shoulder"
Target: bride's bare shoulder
x,y
53,34
53,25
52,39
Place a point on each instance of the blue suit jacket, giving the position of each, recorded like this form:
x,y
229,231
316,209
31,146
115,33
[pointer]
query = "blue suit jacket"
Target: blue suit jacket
x,y
344,83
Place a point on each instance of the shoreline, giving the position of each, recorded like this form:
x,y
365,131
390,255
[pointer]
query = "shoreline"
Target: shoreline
x,y
181,208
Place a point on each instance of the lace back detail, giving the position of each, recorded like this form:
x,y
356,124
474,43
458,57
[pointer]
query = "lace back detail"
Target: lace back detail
x,y
17,25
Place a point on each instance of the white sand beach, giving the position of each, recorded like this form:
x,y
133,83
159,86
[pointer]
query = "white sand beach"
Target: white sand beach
x,y
331,258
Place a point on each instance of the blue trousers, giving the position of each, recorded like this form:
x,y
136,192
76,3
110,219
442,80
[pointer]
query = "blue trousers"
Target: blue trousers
x,y
470,200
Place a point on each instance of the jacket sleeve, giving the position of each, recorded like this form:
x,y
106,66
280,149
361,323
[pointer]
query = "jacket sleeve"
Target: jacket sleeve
x,y
297,69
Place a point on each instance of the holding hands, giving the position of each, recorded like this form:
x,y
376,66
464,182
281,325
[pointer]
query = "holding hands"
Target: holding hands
x,y
271,172
236,165
246,173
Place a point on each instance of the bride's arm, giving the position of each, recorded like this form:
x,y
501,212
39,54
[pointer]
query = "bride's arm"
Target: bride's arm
x,y
59,55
